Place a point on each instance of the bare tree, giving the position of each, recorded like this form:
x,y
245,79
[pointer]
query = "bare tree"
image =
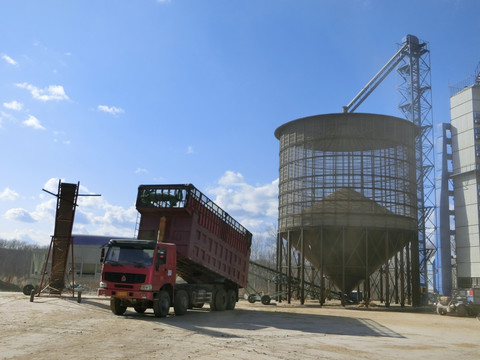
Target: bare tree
x,y
18,245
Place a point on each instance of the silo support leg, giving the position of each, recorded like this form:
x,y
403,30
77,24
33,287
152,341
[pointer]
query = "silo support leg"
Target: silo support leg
x,y
302,269
402,280
322,269
343,267
387,273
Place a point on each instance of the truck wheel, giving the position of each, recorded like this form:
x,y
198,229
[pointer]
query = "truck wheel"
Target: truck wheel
x,y
462,310
252,298
161,304
27,289
180,302
213,307
220,300
441,311
231,299
116,306
266,300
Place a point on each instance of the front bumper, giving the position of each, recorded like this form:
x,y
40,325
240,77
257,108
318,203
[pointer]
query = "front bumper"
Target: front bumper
x,y
126,294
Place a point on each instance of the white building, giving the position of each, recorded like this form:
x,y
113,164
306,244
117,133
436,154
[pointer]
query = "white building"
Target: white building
x,y
465,131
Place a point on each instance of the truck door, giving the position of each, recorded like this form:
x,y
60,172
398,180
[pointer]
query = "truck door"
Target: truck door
x,y
163,272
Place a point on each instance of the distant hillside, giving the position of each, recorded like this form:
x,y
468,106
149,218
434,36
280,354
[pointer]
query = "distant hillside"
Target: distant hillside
x,y
4,286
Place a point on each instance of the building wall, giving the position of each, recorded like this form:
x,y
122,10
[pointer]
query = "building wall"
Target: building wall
x,y
465,120
87,261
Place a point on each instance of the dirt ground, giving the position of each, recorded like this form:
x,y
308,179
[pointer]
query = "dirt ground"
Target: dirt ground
x,y
62,328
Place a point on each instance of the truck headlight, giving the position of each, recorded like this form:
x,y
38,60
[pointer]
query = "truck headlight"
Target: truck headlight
x,y
146,287
103,284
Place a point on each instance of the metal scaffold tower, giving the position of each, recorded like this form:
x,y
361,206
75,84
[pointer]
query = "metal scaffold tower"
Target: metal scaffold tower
x,y
413,65
61,242
417,107
55,272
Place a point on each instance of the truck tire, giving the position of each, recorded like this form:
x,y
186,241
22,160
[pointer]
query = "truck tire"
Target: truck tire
x,y
252,298
180,302
27,289
213,307
161,304
441,311
231,299
462,310
266,300
220,300
117,307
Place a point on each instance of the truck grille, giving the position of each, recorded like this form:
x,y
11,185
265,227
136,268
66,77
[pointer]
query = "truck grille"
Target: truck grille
x,y
125,278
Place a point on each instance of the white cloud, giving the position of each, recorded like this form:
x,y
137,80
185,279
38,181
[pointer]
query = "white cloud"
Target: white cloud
x,y
110,109
232,179
255,206
19,214
9,60
13,105
60,134
27,235
190,149
97,216
6,116
140,171
52,92
8,194
33,122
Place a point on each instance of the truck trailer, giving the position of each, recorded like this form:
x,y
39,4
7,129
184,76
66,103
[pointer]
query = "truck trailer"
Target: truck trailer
x,y
188,252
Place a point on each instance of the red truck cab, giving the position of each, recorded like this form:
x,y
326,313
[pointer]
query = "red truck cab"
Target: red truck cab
x,y
135,272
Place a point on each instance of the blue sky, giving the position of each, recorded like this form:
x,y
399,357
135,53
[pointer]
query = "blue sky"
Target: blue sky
x,y
114,94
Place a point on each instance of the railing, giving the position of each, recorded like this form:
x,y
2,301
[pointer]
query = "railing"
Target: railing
x,y
211,216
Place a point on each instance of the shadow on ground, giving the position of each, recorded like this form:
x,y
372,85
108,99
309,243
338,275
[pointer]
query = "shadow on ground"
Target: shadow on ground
x,y
228,323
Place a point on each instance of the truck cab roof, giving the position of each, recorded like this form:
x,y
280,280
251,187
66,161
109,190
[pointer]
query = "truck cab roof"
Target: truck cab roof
x,y
133,243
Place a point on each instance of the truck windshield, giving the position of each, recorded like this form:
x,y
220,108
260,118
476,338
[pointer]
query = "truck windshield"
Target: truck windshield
x,y
129,256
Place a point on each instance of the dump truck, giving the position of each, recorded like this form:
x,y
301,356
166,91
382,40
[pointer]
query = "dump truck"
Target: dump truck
x,y
188,252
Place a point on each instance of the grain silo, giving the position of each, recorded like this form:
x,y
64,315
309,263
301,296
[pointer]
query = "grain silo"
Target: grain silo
x,y
347,197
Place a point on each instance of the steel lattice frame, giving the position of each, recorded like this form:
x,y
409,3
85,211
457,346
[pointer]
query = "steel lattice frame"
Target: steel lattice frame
x,y
416,105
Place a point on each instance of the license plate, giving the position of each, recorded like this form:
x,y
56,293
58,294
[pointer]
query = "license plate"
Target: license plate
x,y
122,293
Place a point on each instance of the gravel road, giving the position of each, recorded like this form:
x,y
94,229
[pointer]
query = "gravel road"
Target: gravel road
x,y
61,328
